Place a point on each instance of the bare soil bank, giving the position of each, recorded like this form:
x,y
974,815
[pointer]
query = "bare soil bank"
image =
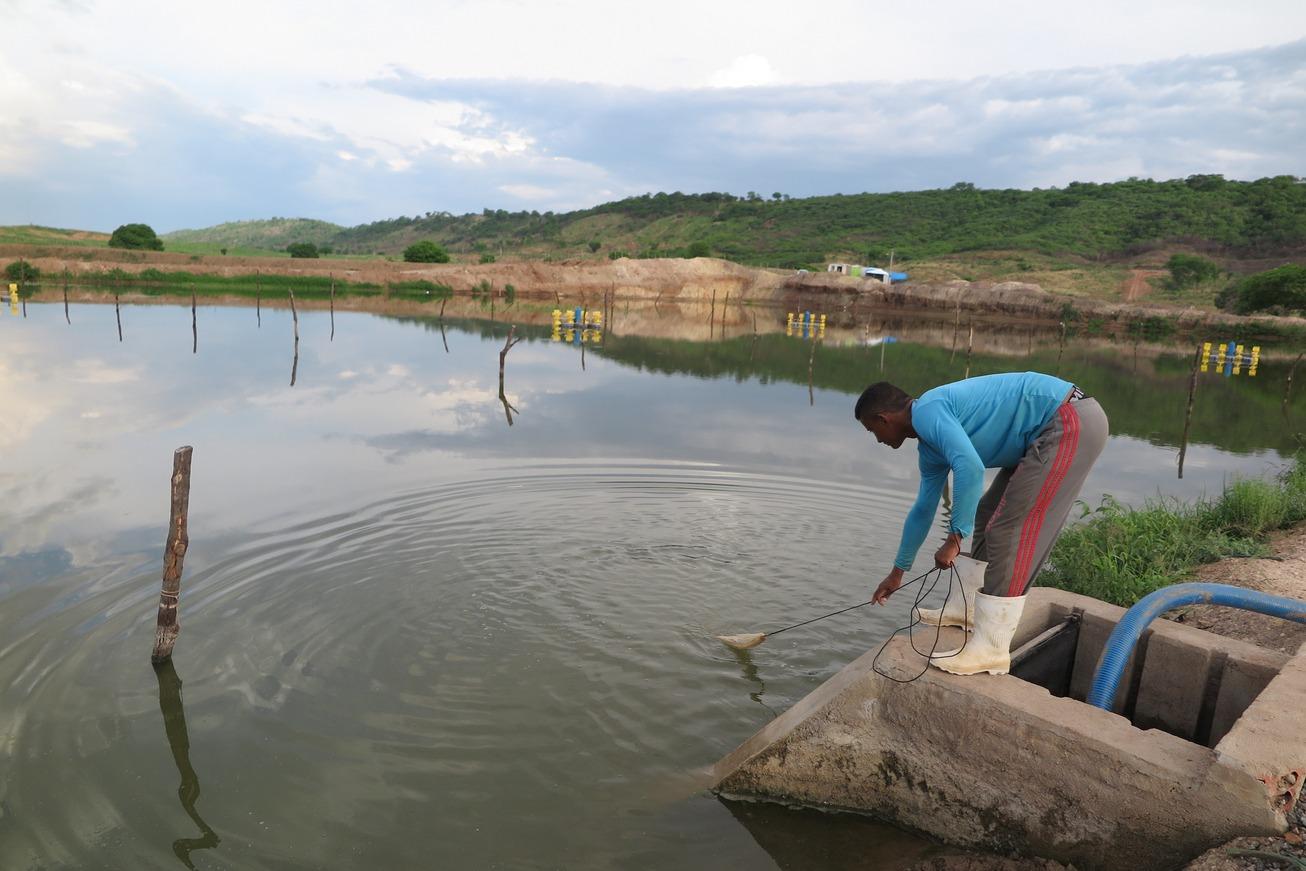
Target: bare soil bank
x,y
662,279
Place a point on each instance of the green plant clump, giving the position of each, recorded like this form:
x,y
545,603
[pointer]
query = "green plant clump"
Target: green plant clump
x,y
21,270
137,236
425,251
1121,554
1282,289
303,249
1188,270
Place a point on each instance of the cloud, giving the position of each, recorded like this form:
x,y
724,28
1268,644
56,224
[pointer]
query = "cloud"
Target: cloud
x,y
136,147
748,71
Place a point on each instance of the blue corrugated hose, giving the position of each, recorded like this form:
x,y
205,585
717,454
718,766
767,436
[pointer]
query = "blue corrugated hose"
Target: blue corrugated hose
x,y
1120,646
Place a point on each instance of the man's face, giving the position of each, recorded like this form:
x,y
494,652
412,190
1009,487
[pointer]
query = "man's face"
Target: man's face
x,y
886,431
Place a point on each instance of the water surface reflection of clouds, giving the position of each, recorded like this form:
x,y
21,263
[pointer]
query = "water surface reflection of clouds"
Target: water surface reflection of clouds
x,y
90,423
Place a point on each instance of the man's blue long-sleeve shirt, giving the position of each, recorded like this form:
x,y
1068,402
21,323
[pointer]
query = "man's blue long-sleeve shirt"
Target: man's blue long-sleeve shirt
x,y
967,427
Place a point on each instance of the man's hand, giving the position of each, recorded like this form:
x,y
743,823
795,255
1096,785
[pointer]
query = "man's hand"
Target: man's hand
x,y
887,586
944,556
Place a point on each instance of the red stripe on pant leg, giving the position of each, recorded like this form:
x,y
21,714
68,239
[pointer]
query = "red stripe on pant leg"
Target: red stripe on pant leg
x,y
1060,467
1059,472
1034,521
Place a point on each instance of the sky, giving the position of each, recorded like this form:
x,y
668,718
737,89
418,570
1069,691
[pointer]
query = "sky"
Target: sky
x,y
191,114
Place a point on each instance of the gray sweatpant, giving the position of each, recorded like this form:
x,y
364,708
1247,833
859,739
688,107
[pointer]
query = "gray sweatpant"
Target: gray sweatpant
x,y
1022,512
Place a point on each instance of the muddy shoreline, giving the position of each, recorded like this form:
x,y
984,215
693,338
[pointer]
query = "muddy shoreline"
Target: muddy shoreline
x,y
664,280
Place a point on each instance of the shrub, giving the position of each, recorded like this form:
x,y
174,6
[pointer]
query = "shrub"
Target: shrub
x,y
425,251
595,245
617,255
1187,270
1283,288
21,270
139,236
698,249
302,249
487,258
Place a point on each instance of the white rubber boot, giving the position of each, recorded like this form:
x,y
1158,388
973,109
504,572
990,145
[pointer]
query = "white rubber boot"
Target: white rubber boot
x,y
959,609
989,647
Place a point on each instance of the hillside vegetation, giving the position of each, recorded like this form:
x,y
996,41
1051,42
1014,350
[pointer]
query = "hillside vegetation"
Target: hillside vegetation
x,y
985,231
273,234
1244,219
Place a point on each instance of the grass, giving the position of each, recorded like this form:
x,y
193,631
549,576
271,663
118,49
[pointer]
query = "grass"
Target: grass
x,y
156,281
1119,554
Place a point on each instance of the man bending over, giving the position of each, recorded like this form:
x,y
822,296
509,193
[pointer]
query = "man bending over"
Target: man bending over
x,y
1043,435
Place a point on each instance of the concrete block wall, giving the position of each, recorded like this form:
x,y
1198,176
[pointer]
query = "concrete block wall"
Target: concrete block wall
x,y
997,763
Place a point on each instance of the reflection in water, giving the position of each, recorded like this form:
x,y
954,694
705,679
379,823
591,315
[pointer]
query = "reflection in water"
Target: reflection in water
x,y
748,669
503,355
799,839
188,792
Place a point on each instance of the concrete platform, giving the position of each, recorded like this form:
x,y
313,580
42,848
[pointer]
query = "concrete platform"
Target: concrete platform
x,y
1210,744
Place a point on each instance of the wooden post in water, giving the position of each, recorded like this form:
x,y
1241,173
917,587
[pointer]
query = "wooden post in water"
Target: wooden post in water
x,y
725,307
117,313
811,361
1061,347
1188,415
168,624
294,316
1287,389
970,343
194,327
711,317
65,296
333,308
258,298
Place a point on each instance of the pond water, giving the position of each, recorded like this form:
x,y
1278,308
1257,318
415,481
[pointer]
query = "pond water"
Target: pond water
x,y
414,635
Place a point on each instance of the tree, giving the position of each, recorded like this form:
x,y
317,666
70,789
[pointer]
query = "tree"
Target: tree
x,y
698,249
21,270
1188,270
425,251
595,245
1282,289
222,251
138,236
302,249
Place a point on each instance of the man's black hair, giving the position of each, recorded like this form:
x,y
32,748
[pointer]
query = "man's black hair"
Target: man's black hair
x,y
879,398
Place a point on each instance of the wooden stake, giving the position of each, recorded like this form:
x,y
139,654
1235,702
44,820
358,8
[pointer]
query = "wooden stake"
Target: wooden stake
x,y
811,360
970,342
725,307
1188,415
294,315
65,296
258,299
194,327
1287,389
333,309
711,317
1061,348
118,314
168,625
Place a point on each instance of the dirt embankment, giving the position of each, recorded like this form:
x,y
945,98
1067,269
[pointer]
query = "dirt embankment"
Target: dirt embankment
x,y
662,279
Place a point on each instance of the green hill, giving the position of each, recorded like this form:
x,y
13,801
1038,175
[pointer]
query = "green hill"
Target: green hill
x,y
272,234
30,234
1244,222
1261,218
